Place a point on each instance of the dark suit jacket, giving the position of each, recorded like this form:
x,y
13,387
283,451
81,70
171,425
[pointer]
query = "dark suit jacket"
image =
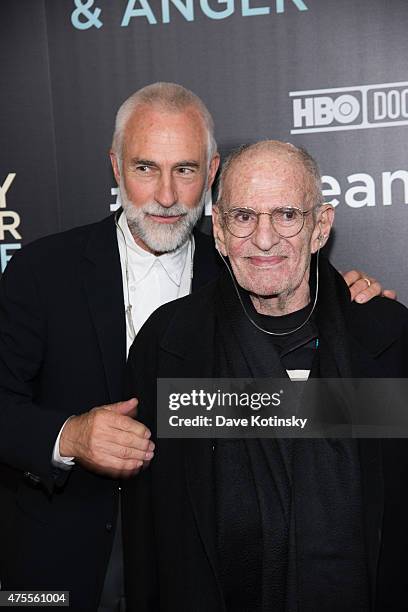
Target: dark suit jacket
x,y
62,351
168,512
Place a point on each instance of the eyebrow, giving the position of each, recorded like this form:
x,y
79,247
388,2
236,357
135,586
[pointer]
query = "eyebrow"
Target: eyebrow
x,y
188,162
148,162
142,162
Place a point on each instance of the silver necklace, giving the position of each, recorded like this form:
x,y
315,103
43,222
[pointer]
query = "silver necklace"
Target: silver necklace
x,y
254,323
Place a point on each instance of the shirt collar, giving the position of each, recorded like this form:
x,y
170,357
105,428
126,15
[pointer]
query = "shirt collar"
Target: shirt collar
x,y
141,261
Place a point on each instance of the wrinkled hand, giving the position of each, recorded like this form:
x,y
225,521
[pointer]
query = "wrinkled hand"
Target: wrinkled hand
x,y
108,440
359,289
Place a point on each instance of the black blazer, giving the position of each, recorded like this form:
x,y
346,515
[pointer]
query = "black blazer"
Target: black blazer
x,y
168,512
62,351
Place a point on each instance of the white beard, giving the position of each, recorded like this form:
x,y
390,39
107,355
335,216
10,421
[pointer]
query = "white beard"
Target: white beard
x,y
160,237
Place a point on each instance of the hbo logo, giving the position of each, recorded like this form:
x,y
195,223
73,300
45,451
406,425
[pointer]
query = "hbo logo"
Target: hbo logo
x,y
324,110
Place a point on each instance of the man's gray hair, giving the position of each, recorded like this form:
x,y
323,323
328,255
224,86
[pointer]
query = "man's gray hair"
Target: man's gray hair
x,y
297,154
168,97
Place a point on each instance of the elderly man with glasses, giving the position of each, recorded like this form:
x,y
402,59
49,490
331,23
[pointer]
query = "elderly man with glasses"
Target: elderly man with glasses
x,y
269,524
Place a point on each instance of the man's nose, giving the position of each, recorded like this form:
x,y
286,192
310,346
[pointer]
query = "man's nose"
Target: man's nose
x,y
265,236
166,192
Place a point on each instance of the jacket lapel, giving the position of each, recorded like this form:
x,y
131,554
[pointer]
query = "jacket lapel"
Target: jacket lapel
x,y
198,460
207,263
102,278
191,349
358,360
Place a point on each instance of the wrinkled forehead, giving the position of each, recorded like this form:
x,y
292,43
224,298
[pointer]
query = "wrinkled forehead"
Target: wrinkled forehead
x,y
156,122
275,178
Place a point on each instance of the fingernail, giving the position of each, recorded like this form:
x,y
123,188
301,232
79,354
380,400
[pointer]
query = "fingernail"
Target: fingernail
x,y
149,456
361,299
151,446
147,434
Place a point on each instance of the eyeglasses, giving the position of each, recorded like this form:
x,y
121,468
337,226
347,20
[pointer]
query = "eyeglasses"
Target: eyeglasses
x,y
287,221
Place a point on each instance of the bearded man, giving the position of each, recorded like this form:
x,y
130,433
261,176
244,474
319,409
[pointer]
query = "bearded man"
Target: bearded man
x,y
70,307
238,525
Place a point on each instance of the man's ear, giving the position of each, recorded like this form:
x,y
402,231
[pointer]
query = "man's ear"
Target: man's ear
x,y
212,170
321,231
115,166
218,230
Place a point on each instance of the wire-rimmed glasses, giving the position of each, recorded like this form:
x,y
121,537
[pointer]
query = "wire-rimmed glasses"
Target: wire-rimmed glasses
x,y
287,221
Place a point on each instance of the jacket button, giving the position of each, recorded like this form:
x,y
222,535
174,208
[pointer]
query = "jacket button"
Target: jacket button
x,y
108,526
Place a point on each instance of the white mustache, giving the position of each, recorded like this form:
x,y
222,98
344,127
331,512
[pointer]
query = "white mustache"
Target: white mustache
x,y
153,208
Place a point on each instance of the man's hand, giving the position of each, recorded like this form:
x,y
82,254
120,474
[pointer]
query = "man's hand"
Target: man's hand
x,y
363,287
108,440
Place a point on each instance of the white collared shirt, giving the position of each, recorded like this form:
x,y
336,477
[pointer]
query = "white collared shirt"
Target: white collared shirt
x,y
152,280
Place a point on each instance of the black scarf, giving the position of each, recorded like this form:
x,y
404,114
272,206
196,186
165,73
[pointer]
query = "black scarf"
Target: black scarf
x,y
289,520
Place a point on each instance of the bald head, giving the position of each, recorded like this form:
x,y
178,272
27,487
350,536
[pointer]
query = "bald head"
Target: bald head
x,y
275,155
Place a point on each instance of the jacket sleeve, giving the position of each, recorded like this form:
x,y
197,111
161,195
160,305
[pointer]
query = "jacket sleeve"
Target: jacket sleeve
x,y
27,431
